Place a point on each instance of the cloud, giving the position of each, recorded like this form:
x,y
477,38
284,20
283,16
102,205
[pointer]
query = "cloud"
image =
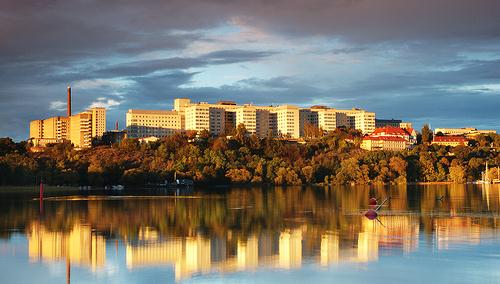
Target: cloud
x,y
146,67
348,50
105,103
435,61
102,83
58,105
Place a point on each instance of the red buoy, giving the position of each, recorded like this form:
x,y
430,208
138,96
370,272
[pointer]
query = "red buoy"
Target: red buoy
x,y
371,214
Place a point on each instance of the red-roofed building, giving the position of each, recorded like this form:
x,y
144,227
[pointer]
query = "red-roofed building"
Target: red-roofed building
x,y
384,143
389,138
413,134
450,141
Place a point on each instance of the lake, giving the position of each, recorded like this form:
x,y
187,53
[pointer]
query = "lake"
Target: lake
x,y
433,234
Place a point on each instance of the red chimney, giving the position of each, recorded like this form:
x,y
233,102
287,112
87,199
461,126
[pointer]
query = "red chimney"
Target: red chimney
x,y
69,101
116,125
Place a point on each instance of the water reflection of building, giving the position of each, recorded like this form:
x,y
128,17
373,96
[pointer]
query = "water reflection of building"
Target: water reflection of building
x,y
456,230
290,249
200,255
395,231
283,249
248,253
329,253
367,247
80,246
190,255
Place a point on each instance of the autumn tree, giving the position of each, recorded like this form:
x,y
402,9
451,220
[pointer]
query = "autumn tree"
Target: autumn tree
x,y
457,174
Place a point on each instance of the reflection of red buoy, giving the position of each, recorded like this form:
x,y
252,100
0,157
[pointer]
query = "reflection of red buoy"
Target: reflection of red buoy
x,y
371,214
41,195
372,201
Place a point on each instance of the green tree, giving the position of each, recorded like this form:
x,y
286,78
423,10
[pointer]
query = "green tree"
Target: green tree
x,y
426,134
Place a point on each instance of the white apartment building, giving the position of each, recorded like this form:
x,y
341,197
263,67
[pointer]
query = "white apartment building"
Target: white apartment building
x,y
327,118
222,117
217,120
247,115
198,117
287,121
157,123
360,119
262,123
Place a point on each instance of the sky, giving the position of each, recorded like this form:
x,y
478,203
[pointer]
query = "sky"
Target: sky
x,y
423,61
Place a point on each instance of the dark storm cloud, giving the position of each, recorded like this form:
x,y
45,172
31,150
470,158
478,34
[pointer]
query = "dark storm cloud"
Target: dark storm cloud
x,y
46,44
145,67
68,27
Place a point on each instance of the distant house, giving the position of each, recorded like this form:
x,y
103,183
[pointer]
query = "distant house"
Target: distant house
x,y
389,138
468,132
450,141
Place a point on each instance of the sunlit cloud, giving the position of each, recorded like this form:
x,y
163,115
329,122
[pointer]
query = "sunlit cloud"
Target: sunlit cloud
x,y
105,103
114,83
58,105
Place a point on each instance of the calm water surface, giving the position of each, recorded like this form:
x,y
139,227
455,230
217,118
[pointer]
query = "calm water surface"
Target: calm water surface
x,y
430,234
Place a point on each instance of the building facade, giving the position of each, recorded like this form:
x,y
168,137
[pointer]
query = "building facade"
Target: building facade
x,y
79,128
465,131
452,141
222,118
388,138
145,123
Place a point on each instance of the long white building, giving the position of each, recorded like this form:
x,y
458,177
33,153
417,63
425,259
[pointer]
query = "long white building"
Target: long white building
x,y
222,118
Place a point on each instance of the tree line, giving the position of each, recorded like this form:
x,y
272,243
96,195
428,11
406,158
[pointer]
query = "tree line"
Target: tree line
x,y
332,158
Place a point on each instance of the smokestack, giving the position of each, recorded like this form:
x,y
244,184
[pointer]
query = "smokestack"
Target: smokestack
x,y
116,126
69,101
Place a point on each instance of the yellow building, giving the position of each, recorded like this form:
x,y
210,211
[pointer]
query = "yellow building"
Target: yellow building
x,y
452,141
36,128
384,143
87,125
79,128
98,121
52,128
157,123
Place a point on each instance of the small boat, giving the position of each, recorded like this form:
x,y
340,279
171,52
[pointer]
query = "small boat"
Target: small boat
x,y
117,187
